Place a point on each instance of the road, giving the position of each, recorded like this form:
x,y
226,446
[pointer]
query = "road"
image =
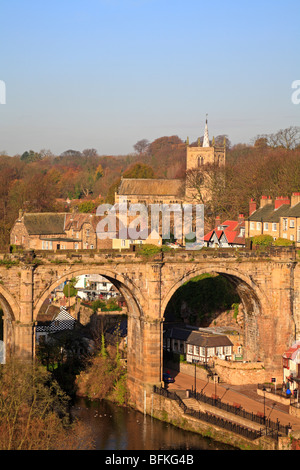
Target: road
x,y
246,396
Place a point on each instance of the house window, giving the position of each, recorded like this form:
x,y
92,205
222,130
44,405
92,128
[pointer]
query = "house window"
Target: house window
x,y
252,225
298,236
88,233
274,227
76,246
219,351
227,350
292,224
266,226
292,238
210,352
123,243
285,224
202,352
190,349
196,350
258,226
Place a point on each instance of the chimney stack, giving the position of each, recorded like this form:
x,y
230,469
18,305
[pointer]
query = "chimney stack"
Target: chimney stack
x,y
280,201
252,207
264,201
217,221
295,199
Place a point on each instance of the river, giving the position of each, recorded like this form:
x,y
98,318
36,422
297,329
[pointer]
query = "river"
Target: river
x,y
119,428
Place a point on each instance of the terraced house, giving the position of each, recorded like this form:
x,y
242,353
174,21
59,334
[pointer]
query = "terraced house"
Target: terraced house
x,y
279,218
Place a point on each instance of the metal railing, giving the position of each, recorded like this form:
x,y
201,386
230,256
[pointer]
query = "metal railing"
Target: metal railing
x,y
210,418
280,390
239,411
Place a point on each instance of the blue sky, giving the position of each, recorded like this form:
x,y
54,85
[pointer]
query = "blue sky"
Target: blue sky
x,y
106,73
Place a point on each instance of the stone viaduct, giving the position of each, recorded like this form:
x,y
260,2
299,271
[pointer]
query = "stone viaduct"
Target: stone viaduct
x,y
268,284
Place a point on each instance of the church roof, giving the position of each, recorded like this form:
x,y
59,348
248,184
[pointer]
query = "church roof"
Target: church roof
x,y
151,187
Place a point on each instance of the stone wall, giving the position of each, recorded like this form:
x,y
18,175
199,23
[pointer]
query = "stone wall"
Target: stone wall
x,y
239,373
168,410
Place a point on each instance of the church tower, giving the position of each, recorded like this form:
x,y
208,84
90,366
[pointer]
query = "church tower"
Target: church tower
x,y
197,156
207,153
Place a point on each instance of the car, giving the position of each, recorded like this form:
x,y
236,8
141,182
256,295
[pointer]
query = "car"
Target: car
x,y
167,378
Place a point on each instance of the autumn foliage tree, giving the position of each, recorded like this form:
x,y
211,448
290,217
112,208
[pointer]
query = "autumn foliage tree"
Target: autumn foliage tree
x,y
34,412
41,181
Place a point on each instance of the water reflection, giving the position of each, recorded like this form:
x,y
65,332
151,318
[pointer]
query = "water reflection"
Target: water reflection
x,y
116,428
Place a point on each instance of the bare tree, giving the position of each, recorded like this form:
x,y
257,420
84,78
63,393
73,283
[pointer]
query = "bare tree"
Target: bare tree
x,y
206,185
285,138
141,146
90,153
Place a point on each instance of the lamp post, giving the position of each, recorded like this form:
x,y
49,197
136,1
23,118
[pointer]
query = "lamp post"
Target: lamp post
x,y
205,384
215,380
264,390
195,379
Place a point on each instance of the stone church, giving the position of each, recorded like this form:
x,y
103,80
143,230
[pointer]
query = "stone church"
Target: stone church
x,y
171,191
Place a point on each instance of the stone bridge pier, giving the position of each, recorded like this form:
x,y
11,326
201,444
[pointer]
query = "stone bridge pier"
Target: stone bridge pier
x,y
268,285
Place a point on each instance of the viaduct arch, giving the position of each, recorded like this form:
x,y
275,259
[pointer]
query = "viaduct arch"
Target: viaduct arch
x,y
268,285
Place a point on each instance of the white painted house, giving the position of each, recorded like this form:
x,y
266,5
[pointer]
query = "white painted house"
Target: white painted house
x,y
198,346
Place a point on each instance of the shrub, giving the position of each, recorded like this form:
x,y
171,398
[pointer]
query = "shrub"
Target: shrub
x,y
149,250
263,240
283,242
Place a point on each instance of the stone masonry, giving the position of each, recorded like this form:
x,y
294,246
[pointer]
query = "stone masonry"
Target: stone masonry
x,y
268,285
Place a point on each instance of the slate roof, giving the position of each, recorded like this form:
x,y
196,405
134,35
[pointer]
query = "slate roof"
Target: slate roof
x,y
268,213
294,211
52,223
198,338
77,220
45,223
151,187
